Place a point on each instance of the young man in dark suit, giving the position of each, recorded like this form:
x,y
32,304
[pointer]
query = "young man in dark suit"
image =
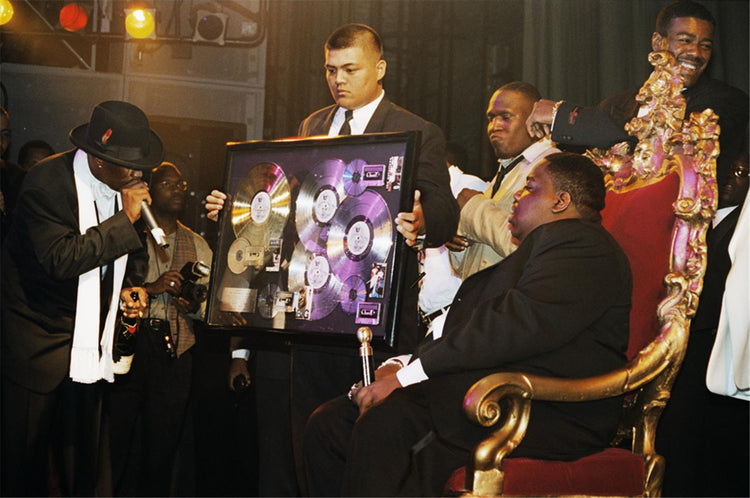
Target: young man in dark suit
x,y
557,306
686,29
354,71
63,266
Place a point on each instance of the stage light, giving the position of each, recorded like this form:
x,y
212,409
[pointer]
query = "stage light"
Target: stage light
x,y
139,23
73,17
210,27
6,11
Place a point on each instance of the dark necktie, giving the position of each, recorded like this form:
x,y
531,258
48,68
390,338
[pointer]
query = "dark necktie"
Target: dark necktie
x,y
502,172
346,128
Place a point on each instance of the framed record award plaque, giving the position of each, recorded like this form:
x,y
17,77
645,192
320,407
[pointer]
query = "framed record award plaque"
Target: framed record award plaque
x,y
308,248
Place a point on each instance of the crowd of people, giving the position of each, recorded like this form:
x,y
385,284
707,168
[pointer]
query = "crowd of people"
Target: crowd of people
x,y
494,263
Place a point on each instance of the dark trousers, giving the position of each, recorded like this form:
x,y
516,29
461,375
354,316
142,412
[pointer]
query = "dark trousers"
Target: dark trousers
x,y
391,450
50,441
703,436
149,422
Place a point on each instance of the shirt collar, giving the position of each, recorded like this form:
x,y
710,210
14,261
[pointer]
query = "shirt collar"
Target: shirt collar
x,y
101,191
360,117
530,153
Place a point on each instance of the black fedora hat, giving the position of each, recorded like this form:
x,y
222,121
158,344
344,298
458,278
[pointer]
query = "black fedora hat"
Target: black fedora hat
x,y
119,133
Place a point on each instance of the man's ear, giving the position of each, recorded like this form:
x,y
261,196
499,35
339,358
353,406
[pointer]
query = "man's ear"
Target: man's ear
x,y
562,203
381,65
658,42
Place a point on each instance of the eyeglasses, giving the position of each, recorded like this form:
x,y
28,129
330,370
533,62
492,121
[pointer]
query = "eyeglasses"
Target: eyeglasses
x,y
180,185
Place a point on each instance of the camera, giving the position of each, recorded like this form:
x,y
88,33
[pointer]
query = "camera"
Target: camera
x,y
192,291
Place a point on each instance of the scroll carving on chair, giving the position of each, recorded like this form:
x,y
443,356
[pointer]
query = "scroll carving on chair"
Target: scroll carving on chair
x,y
672,166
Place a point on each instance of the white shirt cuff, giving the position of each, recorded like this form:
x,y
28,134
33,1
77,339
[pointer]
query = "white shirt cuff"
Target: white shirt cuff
x,y
413,373
241,353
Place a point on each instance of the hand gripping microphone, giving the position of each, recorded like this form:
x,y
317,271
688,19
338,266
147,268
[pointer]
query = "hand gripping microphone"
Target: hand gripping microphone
x,y
364,334
153,227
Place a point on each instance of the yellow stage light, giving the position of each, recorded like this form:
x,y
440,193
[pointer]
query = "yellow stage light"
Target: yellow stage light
x,y
139,23
6,11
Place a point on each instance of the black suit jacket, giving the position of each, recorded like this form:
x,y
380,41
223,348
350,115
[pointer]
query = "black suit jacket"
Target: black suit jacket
x,y
604,126
558,306
42,258
432,179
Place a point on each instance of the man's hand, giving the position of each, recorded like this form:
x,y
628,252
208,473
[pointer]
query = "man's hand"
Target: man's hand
x,y
238,366
169,281
132,195
539,122
133,308
465,195
184,306
386,370
214,204
458,243
410,225
366,396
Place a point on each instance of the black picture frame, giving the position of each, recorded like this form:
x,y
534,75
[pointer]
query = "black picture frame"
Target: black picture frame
x,y
307,249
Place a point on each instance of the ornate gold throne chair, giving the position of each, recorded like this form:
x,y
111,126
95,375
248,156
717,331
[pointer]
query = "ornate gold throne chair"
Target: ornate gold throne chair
x,y
660,201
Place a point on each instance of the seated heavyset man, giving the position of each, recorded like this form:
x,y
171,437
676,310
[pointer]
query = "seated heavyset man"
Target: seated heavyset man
x,y
686,29
557,306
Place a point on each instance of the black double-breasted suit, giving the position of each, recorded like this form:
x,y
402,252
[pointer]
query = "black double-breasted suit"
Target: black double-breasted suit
x,y
43,256
558,306
319,373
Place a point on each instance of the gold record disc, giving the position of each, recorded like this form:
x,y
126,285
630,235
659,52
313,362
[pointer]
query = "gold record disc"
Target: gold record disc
x,y
262,202
307,269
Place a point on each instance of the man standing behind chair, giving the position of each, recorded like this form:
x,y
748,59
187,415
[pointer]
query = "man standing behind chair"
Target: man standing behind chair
x,y
354,71
487,239
686,29
156,392
65,254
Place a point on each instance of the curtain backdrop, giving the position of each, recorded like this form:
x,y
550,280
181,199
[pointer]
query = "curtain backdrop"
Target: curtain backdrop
x,y
446,57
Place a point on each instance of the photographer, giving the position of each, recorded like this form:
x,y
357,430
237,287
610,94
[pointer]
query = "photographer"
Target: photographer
x,y
149,407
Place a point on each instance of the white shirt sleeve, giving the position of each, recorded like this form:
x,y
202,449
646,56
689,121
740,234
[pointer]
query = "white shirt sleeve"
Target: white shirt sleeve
x,y
413,373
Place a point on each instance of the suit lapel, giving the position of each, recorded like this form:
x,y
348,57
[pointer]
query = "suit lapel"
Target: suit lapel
x,y
377,121
715,234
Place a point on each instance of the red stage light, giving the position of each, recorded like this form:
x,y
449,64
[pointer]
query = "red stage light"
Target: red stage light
x,y
73,17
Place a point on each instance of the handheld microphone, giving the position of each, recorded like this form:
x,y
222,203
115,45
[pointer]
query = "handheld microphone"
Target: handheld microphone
x,y
153,227
364,334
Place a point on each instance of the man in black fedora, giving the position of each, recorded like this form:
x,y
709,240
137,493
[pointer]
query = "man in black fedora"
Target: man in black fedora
x,y
62,273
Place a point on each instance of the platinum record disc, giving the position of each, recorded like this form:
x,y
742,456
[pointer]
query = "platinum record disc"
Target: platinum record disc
x,y
266,300
313,270
354,177
353,291
318,200
360,235
262,201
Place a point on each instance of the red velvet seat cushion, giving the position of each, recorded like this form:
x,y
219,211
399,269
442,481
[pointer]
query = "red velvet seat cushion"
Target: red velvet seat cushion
x,y
612,472
641,221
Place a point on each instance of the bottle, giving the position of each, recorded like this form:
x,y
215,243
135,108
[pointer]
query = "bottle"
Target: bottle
x,y
124,347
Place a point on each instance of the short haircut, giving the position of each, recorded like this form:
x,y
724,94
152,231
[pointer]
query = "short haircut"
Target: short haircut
x,y
25,150
681,8
526,89
582,179
349,35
